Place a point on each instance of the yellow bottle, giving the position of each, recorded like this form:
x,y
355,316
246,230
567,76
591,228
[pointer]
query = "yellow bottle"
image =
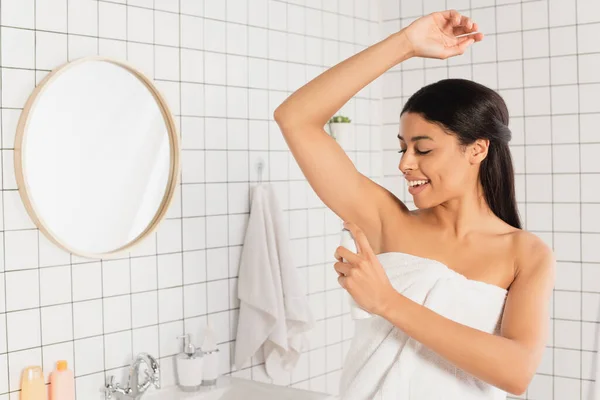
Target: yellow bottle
x,y
32,384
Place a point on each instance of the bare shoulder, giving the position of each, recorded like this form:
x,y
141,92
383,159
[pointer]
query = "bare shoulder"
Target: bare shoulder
x,y
532,255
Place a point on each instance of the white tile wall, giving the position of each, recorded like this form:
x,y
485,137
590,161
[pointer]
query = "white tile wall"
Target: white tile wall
x,y
223,67
542,56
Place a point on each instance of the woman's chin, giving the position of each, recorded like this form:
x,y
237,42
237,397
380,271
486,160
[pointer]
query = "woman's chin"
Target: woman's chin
x,y
422,202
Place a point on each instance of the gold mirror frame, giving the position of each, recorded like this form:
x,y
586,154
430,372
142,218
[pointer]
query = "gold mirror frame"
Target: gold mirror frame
x,y
20,167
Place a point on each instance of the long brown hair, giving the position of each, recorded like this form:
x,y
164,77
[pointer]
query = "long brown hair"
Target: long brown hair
x,y
472,111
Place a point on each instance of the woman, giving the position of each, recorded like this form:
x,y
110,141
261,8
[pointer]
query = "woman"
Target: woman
x,y
460,292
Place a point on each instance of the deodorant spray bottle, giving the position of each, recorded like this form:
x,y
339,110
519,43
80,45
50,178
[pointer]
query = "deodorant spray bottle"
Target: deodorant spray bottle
x,y
348,242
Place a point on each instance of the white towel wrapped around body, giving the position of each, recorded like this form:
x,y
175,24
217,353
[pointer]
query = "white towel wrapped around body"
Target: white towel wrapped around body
x,y
274,311
384,363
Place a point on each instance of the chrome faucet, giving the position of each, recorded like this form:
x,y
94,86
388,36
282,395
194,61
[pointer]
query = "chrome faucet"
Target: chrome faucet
x,y
135,389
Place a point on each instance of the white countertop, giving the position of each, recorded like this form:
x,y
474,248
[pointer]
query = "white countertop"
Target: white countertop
x,y
229,388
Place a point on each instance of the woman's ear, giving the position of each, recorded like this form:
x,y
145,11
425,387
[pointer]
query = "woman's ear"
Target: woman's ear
x,y
479,150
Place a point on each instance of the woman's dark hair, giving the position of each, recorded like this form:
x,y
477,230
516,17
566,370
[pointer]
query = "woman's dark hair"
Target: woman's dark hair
x,y
471,111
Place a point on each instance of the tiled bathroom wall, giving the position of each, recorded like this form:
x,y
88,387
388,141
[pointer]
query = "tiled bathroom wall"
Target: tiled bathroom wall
x,y
543,58
223,65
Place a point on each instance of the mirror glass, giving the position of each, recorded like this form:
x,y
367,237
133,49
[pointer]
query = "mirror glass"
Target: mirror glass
x,y
96,157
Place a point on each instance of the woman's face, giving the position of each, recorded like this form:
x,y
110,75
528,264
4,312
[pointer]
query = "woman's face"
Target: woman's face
x,y
436,167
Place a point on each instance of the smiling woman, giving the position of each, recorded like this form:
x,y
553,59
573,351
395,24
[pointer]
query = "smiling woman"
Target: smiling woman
x,y
461,289
474,121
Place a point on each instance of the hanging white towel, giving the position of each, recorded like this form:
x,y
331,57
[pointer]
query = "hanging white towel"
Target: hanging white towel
x,y
274,311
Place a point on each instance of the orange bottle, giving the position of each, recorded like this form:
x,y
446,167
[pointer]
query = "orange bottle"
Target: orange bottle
x,y
32,384
62,383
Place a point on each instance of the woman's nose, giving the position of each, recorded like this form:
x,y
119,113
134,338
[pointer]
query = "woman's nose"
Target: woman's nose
x,y
407,162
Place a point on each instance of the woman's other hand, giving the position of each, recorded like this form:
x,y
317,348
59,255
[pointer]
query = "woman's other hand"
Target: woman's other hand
x,y
362,275
434,35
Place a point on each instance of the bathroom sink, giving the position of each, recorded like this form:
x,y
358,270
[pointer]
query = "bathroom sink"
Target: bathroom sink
x,y
229,388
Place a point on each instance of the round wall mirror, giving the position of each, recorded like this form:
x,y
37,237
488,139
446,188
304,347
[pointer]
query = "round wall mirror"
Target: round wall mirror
x,y
96,157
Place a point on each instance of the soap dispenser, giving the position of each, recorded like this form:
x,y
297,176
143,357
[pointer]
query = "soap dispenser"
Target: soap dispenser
x,y
189,366
211,357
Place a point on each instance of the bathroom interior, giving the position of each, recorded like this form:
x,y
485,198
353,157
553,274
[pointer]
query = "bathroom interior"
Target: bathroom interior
x,y
183,157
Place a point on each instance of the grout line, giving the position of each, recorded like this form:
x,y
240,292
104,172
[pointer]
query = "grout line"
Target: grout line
x,y
471,50
580,209
131,310
447,61
553,238
323,244
73,341
310,348
101,261
7,376
180,186
205,251
400,191
156,252
227,60
40,309
250,361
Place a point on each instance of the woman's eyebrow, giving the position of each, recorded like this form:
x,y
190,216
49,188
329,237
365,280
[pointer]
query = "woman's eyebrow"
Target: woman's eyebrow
x,y
415,138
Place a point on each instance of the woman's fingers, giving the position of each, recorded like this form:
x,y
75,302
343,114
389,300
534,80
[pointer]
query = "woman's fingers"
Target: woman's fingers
x,y
464,32
362,243
478,36
349,256
462,45
435,35
466,23
337,255
458,23
452,16
460,48
343,269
